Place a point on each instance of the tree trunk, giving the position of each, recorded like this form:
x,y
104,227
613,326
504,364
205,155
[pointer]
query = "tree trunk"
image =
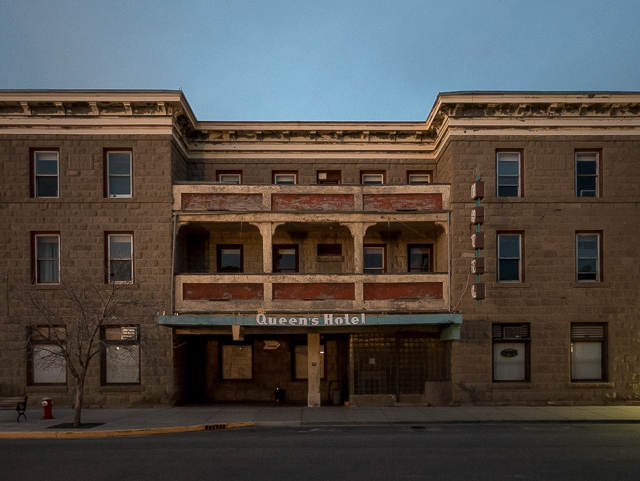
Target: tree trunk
x,y
77,406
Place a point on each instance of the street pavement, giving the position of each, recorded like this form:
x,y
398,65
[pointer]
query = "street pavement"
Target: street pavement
x,y
140,421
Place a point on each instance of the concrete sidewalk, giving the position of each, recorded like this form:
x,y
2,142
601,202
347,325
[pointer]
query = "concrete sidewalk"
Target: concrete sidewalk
x,y
191,418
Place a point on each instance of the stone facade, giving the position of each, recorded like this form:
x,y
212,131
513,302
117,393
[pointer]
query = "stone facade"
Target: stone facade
x,y
209,256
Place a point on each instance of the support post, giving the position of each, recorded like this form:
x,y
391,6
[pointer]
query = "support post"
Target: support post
x,y
314,369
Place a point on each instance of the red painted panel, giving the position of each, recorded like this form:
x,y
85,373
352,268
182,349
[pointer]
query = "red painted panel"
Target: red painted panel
x,y
323,202
232,292
342,291
403,290
395,202
232,202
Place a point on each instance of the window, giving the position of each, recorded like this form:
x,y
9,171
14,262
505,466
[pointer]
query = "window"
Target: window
x,y
285,177
417,177
230,258
374,258
118,173
587,173
588,352
588,258
45,168
372,177
46,361
46,258
511,352
510,257
119,258
301,359
236,361
420,257
120,357
329,177
327,250
285,258
509,169
229,176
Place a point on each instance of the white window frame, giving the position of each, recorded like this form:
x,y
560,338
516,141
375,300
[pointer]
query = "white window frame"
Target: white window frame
x,y
596,176
110,175
598,258
38,259
110,259
418,179
232,179
499,176
367,179
36,175
519,258
278,179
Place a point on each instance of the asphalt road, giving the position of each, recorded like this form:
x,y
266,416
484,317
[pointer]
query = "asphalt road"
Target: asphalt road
x,y
429,452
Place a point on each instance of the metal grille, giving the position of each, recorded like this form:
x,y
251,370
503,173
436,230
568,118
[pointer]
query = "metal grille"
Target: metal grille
x,y
396,364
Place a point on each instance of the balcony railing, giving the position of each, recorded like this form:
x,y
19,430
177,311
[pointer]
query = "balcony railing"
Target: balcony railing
x,y
200,293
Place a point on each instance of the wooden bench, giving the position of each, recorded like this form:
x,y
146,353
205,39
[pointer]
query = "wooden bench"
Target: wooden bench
x,y
19,403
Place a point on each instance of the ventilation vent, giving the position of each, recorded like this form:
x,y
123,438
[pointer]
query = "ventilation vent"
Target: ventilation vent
x,y
587,331
214,427
510,331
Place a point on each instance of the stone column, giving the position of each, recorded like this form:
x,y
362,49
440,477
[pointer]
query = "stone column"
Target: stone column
x,y
315,369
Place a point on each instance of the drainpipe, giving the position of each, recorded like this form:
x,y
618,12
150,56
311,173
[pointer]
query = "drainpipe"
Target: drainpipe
x,y
449,252
173,262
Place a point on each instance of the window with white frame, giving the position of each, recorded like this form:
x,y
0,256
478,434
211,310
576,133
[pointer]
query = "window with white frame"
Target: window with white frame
x,y
285,177
46,174
588,258
372,177
588,352
118,170
418,177
47,364
47,258
229,176
120,357
120,258
587,169
509,174
510,257
374,259
511,361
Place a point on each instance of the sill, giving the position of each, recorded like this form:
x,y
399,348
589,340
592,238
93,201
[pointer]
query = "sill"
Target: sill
x,y
121,388
44,388
590,284
591,385
43,286
511,385
330,258
511,285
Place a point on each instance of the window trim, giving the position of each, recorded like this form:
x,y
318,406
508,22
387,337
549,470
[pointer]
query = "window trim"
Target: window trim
x,y
220,173
106,175
328,172
107,256
604,361
419,172
35,270
276,173
384,258
411,246
46,341
111,342
219,248
275,247
33,182
599,263
520,152
520,260
599,186
383,173
502,340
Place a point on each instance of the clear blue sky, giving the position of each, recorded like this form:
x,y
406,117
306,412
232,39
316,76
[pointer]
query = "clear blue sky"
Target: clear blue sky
x,y
319,60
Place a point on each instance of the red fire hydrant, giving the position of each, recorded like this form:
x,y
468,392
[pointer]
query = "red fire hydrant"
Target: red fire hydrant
x,y
47,404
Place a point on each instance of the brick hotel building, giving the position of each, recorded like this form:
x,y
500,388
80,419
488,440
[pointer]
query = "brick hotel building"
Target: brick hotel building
x,y
324,262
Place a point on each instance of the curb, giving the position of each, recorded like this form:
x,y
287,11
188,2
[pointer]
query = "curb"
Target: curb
x,y
122,432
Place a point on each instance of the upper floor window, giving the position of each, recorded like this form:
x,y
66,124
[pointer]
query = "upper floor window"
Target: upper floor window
x,y
46,260
418,177
372,177
229,176
374,259
118,173
230,258
509,173
420,258
329,177
588,257
285,177
120,258
587,173
285,258
45,167
510,257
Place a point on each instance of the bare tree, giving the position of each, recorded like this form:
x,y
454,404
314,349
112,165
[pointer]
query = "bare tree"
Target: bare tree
x,y
68,328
